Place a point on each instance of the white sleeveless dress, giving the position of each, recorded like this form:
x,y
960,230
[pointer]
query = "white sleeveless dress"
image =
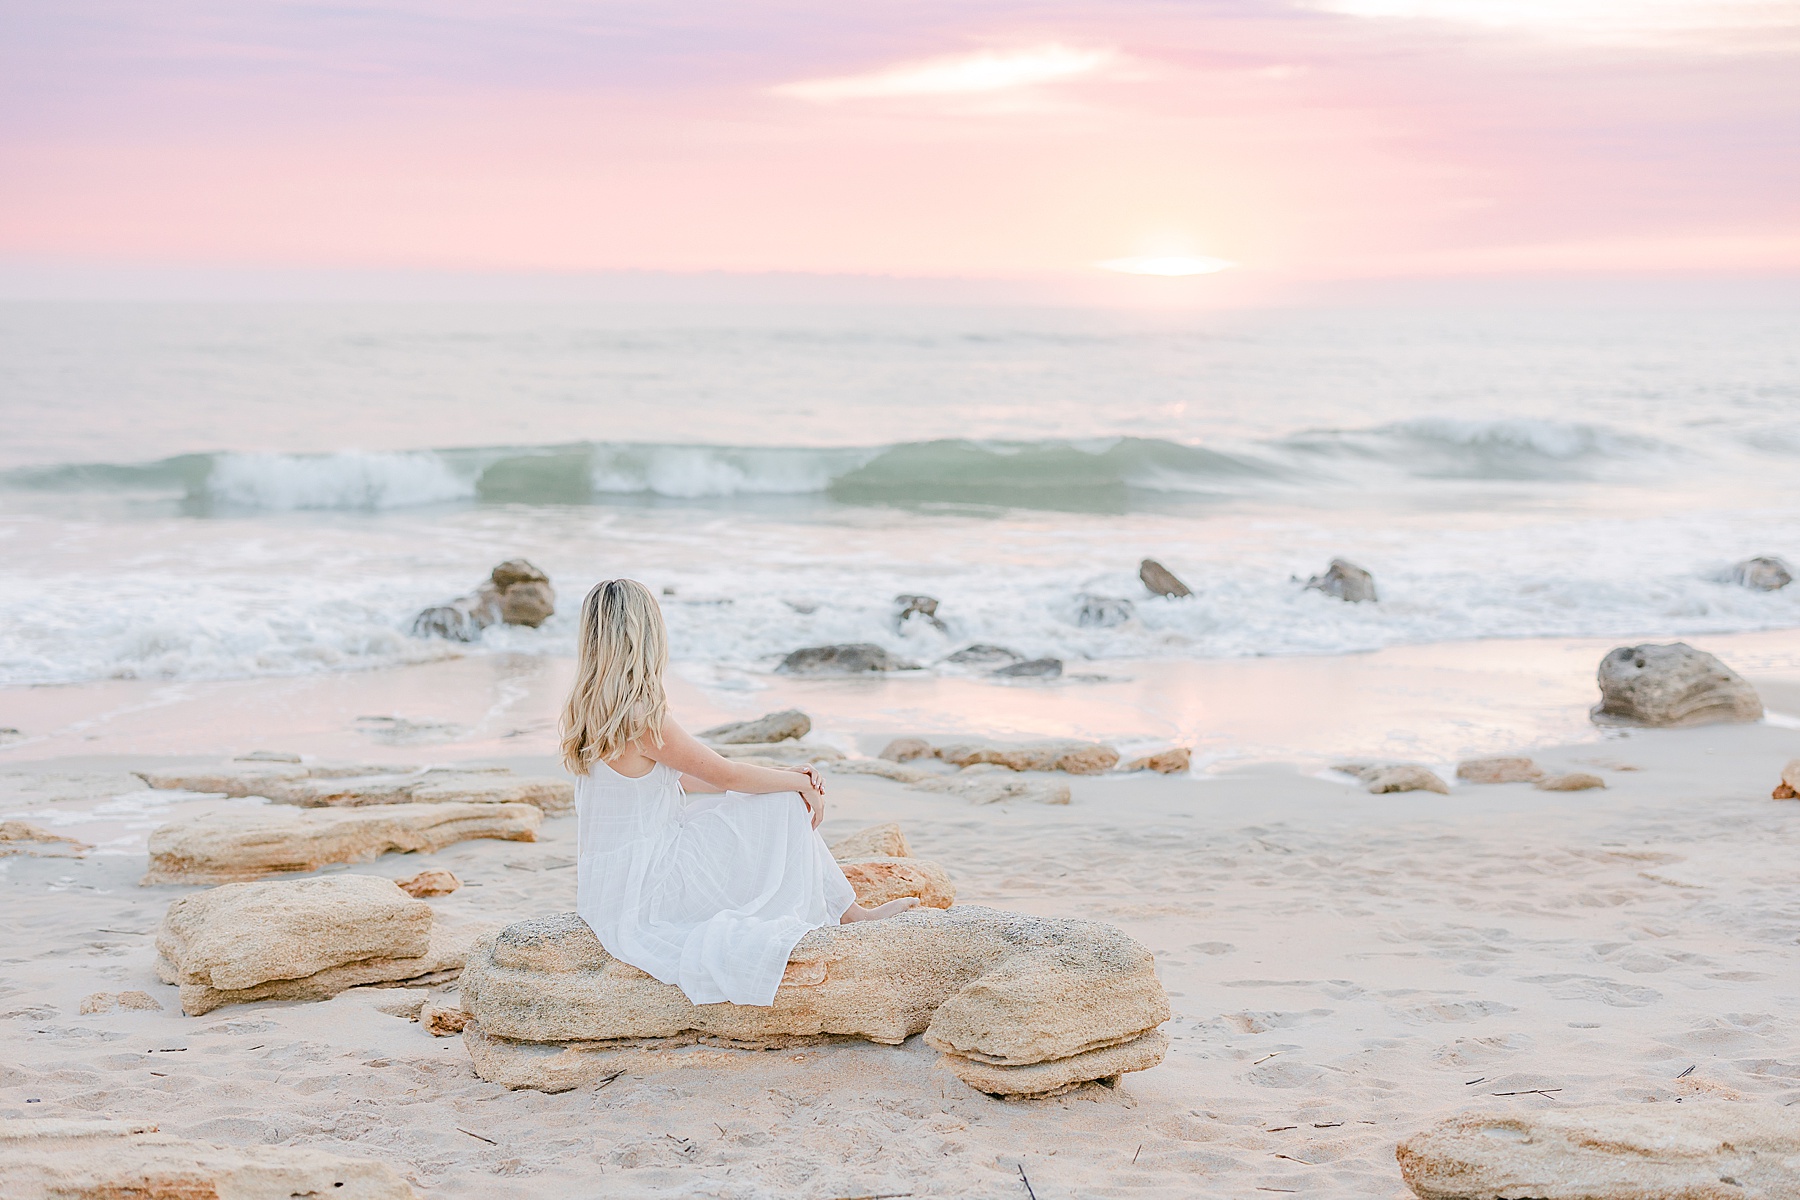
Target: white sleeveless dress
x,y
710,896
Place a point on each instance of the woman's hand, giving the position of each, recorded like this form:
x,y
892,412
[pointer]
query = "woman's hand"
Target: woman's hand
x,y
812,776
815,803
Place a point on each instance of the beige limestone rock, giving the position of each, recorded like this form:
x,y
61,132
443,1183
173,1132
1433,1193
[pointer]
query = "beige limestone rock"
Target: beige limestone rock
x,y
98,1002
997,788
433,881
1164,762
243,934
881,768
33,788
788,725
906,749
62,1159
1395,777
240,845
1673,684
442,1022
548,1003
876,880
1503,769
1076,758
255,778
1060,1075
877,841
22,837
442,961
1703,1150
1572,781
138,1001
462,786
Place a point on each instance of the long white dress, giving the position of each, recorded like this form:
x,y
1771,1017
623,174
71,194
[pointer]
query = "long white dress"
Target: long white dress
x,y
710,895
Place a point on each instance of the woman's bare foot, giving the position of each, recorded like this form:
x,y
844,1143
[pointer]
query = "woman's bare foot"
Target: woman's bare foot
x,y
892,908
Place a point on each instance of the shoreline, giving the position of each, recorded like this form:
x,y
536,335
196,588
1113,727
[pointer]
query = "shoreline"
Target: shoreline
x,y
1435,703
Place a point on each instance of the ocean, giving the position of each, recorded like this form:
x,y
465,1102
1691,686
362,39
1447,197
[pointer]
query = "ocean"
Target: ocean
x,y
195,491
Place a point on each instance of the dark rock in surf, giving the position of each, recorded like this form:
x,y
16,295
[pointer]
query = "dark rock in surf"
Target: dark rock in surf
x,y
788,725
922,607
1672,685
1036,668
1103,612
515,593
1762,574
854,658
983,655
1346,581
1161,581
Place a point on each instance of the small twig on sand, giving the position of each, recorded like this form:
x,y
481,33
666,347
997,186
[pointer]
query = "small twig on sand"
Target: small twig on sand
x,y
1327,1125
876,1196
1136,1152
1530,1092
1301,1161
1026,1179
1473,1082
608,1080
477,1136
1264,1189
1265,1058
1685,1073
1281,1129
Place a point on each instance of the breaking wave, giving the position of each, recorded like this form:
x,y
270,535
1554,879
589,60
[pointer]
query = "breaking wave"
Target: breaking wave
x,y
1104,474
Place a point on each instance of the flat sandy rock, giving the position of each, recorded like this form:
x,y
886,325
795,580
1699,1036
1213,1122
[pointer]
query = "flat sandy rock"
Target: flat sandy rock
x,y
1504,769
254,777
22,837
243,934
240,845
1381,778
551,794
877,841
1672,684
119,1160
1571,781
1000,990
881,768
1164,762
49,787
1695,1151
997,788
1076,758
906,749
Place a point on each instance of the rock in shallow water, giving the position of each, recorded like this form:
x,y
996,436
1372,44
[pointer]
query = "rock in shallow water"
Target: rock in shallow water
x,y
982,654
1161,581
852,658
515,593
1698,1151
62,1159
1673,684
1762,574
790,724
1103,612
1036,668
1346,581
1003,996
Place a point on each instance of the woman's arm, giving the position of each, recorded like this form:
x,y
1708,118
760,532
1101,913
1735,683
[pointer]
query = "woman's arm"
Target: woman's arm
x,y
692,758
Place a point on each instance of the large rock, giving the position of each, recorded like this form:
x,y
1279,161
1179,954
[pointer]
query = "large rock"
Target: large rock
x,y
1763,574
1004,997
304,939
62,1159
225,847
1346,581
1075,757
515,593
1672,684
787,725
1161,581
1698,1151
855,658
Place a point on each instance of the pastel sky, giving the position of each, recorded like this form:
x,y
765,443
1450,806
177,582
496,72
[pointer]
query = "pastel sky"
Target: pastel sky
x,y
1307,138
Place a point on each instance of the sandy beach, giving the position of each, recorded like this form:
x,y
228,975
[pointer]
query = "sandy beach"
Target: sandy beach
x,y
1344,968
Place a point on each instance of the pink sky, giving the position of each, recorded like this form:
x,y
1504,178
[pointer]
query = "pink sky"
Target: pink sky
x,y
1330,139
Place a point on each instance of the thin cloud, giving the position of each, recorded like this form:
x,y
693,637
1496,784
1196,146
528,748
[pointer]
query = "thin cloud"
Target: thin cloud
x,y
987,71
1607,20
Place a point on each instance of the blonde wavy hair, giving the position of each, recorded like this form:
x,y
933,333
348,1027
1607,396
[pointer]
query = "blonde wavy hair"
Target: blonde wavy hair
x,y
618,694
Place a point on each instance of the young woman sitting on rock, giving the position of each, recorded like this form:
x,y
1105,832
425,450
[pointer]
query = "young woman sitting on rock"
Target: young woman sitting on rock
x,y
711,894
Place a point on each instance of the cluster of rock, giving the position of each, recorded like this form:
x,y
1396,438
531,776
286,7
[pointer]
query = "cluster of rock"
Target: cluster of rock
x,y
514,593
287,780
1017,1005
1513,769
1763,574
225,847
60,1159
303,939
1612,1152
